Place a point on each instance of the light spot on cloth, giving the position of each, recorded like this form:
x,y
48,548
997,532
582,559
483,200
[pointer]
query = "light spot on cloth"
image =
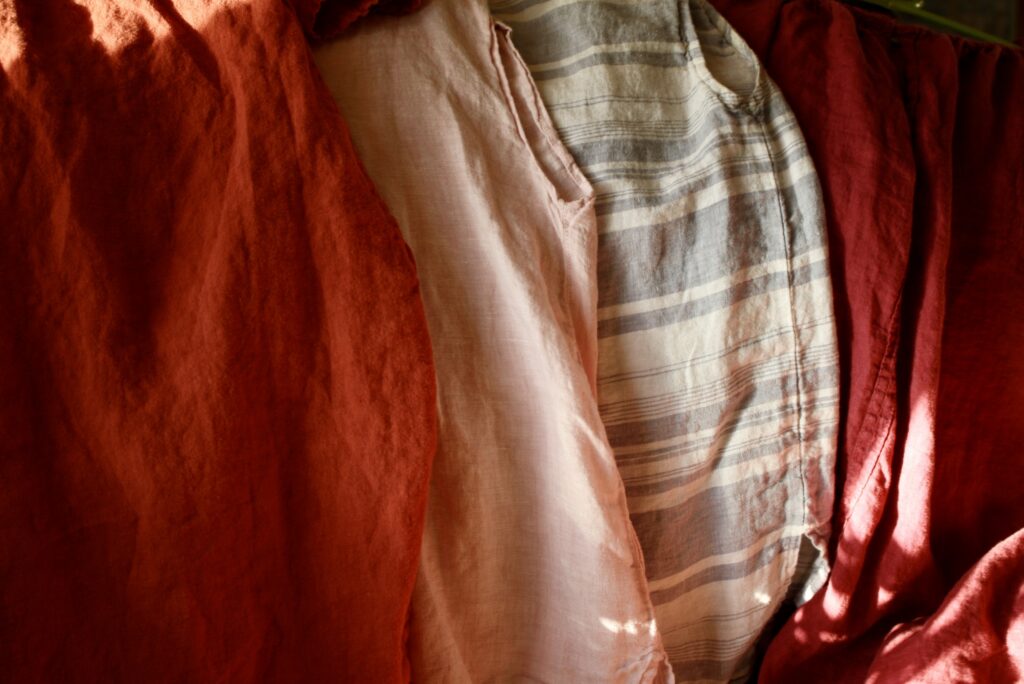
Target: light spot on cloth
x,y
629,626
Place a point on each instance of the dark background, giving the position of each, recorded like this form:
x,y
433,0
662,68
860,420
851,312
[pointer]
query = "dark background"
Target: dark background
x,y
1002,18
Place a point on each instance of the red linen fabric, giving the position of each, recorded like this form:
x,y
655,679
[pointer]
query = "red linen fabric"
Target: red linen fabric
x,y
982,619
216,392
918,139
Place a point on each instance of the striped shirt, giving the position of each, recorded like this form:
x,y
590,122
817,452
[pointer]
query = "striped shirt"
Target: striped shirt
x,y
717,360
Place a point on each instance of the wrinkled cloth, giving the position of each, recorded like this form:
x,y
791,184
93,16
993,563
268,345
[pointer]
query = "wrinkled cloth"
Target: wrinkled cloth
x,y
216,389
717,362
982,618
530,569
918,139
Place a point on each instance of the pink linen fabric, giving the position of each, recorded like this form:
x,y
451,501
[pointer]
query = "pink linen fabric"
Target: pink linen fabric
x,y
530,569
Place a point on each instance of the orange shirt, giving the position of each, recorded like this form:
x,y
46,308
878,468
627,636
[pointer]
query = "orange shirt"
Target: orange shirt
x,y
216,390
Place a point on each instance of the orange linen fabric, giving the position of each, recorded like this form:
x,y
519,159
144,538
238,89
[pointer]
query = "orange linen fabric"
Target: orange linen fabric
x,y
217,408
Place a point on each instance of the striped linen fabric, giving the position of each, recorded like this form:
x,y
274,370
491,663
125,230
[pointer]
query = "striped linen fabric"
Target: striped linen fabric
x,y
717,359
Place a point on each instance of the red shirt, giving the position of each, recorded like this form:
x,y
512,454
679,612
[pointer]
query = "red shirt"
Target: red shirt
x,y
918,139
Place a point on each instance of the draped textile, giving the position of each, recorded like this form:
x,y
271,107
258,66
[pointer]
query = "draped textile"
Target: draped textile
x,y
918,139
216,388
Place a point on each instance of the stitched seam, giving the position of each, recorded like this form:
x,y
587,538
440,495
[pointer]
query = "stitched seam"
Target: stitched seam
x,y
504,85
891,348
786,231
874,466
546,127
846,598
874,413
500,43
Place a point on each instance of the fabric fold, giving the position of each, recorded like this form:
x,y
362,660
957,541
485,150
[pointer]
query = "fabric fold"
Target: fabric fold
x,y
530,569
217,411
918,138
717,360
